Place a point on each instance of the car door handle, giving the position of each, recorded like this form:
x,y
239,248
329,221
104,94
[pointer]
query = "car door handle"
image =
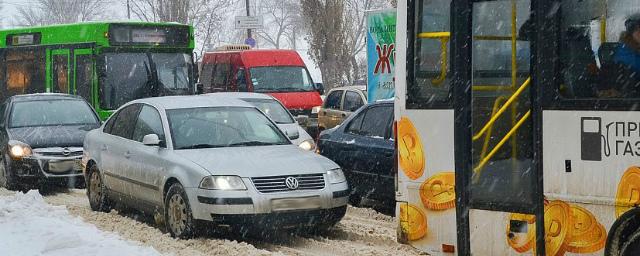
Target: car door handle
x,y
344,115
388,154
104,148
127,154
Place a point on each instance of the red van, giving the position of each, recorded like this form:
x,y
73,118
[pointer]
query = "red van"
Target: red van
x,y
279,73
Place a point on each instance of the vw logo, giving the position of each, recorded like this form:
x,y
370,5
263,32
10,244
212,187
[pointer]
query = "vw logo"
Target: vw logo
x,y
66,152
292,183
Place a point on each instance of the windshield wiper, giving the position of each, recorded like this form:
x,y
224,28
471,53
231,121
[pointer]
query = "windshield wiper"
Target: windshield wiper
x,y
196,146
252,143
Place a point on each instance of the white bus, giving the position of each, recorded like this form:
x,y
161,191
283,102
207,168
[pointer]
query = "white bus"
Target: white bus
x,y
518,126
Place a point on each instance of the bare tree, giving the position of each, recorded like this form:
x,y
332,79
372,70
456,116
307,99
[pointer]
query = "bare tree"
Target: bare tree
x,y
206,16
46,12
282,22
337,31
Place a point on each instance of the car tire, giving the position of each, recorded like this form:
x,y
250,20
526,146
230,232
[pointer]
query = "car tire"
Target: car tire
x,y
178,218
632,246
97,191
7,179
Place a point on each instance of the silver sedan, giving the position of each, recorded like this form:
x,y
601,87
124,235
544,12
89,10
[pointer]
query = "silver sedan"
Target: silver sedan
x,y
188,159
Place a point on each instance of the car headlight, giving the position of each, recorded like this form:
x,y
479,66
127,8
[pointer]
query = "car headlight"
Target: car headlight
x,y
307,145
315,109
18,149
336,176
222,183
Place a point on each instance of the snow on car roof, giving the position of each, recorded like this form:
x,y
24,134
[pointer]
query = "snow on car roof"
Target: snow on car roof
x,y
178,102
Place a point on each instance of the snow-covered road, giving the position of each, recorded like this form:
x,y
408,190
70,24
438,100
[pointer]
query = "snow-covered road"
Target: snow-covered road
x,y
361,232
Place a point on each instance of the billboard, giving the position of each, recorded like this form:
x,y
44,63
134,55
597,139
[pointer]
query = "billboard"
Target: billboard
x,y
381,37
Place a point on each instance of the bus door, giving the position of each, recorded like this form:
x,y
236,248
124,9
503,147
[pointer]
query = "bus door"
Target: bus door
x,y
590,127
83,74
60,71
424,125
498,198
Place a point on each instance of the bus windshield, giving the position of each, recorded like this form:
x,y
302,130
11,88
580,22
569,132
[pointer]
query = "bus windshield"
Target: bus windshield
x,y
281,79
130,76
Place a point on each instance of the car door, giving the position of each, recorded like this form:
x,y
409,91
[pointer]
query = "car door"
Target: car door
x,y
115,148
149,165
373,151
330,110
352,102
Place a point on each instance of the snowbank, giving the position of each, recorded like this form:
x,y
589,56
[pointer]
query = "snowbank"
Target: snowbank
x,y
30,226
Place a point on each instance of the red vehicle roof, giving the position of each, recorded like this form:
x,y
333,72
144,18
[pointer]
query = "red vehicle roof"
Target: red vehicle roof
x,y
261,58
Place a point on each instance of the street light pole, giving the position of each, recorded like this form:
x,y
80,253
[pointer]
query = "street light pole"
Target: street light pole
x,y
248,14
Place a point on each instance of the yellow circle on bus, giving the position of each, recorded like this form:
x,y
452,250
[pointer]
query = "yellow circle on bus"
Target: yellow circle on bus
x,y
557,227
410,151
438,191
413,222
628,194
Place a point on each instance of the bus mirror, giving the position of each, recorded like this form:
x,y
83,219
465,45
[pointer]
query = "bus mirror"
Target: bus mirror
x,y
320,88
199,88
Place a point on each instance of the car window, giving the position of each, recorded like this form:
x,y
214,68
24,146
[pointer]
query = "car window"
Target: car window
x,y
109,125
375,121
333,100
51,112
149,122
352,101
356,123
124,123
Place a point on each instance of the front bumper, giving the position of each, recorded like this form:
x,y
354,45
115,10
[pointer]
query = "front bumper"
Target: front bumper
x,y
47,167
232,207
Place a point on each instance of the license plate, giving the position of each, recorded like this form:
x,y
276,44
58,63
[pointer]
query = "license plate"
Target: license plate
x,y
65,166
300,203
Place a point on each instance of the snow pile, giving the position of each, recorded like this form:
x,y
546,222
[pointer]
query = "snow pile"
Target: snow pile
x,y
30,226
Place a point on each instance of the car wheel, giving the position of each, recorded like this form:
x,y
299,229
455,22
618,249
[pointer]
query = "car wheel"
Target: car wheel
x,y
7,180
177,213
96,191
632,246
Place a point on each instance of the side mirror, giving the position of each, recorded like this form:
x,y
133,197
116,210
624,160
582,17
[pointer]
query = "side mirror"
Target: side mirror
x,y
199,88
302,119
320,88
293,135
151,140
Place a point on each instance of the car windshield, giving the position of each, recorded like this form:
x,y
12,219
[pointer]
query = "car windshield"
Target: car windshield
x,y
273,109
51,113
130,76
281,79
215,127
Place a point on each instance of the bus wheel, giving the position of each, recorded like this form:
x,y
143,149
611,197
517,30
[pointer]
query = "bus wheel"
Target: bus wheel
x,y
621,232
632,246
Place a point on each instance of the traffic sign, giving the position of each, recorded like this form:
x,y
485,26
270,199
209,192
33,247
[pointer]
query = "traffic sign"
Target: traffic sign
x,y
248,22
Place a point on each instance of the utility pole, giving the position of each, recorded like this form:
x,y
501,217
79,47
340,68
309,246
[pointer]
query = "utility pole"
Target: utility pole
x,y
128,11
248,14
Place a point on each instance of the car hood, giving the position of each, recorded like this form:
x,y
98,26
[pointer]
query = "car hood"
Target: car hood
x,y
51,136
258,161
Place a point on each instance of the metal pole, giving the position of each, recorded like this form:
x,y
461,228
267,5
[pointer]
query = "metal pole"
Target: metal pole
x,y
248,14
128,11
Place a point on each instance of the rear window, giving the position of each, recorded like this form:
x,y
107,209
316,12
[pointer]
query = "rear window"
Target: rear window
x,y
51,113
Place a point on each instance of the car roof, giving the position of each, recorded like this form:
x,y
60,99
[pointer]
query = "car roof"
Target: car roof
x,y
381,102
351,87
192,101
243,95
44,96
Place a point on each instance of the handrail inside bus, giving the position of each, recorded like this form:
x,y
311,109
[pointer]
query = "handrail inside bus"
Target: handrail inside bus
x,y
487,138
444,39
504,107
495,149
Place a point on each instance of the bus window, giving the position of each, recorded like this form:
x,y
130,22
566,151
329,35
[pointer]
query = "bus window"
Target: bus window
x,y
501,61
431,83
600,58
60,73
84,75
24,71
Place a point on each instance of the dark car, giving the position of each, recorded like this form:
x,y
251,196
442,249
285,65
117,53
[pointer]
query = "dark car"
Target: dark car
x,y
41,138
363,146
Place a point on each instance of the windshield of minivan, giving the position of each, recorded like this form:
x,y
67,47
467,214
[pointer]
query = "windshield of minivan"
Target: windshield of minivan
x,y
273,109
51,113
214,127
281,79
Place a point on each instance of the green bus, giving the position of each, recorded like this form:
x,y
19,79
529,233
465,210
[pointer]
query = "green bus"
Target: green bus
x,y
107,63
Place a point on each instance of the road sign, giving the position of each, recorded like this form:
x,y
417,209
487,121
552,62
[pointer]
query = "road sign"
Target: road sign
x,y
248,22
251,42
